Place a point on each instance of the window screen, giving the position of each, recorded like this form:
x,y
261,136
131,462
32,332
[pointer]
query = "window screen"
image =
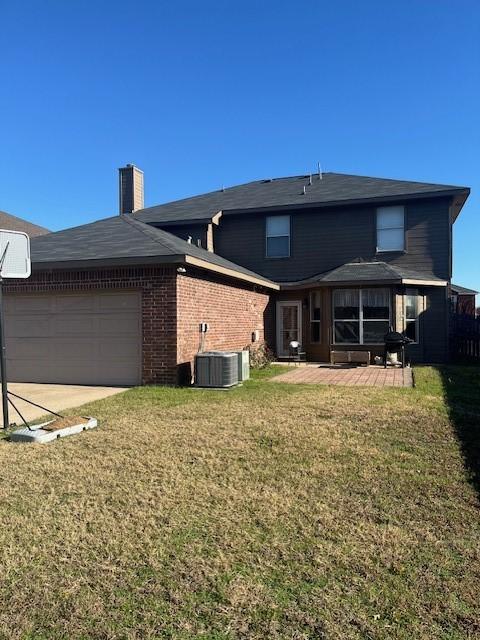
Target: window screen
x,y
278,237
390,229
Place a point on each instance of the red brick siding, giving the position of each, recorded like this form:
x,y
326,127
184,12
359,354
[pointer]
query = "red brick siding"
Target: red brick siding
x,y
232,310
157,285
170,339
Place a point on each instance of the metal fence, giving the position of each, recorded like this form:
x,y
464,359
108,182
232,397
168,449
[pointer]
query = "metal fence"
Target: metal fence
x,y
465,338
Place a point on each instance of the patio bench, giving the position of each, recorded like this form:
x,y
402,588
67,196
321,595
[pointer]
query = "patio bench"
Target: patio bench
x,y
347,357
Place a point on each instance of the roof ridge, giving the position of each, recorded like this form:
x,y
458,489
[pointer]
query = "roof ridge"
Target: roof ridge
x,y
318,277
390,268
85,224
24,220
358,175
148,230
387,265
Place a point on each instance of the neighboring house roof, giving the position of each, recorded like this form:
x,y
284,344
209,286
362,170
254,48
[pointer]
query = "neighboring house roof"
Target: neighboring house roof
x,y
367,273
124,240
12,223
333,188
462,291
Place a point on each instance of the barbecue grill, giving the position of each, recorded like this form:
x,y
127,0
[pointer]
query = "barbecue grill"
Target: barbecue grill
x,y
395,343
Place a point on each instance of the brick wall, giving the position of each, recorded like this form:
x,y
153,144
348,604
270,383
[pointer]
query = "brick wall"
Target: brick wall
x,y
157,285
232,310
170,340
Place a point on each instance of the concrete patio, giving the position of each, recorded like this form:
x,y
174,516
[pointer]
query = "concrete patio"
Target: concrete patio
x,y
347,375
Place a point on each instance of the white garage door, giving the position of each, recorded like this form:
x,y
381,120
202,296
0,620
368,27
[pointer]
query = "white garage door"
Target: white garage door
x,y
92,338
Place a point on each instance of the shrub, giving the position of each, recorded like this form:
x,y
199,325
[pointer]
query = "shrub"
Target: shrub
x,y
261,356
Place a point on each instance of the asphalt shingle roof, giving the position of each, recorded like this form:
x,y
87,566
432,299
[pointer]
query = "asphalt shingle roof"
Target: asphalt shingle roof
x,y
284,192
132,238
463,290
13,223
354,272
121,238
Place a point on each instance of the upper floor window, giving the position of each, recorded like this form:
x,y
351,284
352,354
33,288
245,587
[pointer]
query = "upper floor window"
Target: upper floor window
x,y
278,237
390,228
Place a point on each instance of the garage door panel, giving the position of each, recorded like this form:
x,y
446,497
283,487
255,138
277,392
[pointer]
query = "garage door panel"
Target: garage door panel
x,y
21,327
28,304
117,351
74,339
77,326
31,348
77,350
26,349
124,324
83,374
75,304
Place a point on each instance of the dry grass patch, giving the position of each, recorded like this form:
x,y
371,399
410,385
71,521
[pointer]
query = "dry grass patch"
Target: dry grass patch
x,y
272,511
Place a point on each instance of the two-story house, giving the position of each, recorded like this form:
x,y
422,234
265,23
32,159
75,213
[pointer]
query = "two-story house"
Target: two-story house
x,y
330,260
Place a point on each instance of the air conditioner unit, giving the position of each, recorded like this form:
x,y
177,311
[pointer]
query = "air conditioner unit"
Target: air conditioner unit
x,y
243,365
216,369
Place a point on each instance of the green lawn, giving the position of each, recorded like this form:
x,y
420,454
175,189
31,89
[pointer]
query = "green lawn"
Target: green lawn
x,y
270,511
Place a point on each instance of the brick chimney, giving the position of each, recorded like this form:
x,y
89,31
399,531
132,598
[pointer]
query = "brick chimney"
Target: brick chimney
x,y
130,189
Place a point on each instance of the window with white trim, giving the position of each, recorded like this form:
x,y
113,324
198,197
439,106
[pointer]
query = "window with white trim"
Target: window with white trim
x,y
391,228
315,316
361,316
411,314
277,237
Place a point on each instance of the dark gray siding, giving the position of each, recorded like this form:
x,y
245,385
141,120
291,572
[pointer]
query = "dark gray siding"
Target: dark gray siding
x,y
427,239
435,325
195,231
322,239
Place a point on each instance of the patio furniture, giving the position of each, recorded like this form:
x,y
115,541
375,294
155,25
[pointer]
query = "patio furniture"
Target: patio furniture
x,y
296,353
350,357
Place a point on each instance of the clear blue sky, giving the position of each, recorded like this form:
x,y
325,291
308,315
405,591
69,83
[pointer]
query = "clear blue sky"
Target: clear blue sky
x,y
200,94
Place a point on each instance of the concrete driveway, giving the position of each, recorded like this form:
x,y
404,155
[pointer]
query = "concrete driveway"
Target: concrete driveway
x,y
53,396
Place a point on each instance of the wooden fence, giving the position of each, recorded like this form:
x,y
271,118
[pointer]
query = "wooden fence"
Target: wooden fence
x,y
465,338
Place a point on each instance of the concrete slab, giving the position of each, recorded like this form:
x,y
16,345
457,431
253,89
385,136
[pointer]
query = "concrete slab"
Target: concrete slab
x,y
54,396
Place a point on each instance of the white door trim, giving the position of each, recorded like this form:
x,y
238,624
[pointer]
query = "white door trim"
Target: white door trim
x,y
287,303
